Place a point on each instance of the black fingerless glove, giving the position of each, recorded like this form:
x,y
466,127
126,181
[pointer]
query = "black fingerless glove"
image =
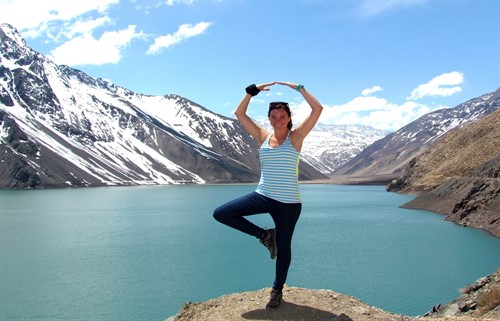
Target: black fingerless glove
x,y
252,90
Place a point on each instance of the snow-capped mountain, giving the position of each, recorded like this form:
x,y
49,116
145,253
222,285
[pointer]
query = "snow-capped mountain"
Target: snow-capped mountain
x,y
328,147
60,127
389,155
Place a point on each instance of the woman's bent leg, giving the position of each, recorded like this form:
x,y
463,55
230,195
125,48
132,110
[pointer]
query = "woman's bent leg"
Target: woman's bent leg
x,y
232,213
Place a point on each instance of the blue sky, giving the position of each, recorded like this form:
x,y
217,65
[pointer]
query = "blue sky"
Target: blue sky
x,y
378,63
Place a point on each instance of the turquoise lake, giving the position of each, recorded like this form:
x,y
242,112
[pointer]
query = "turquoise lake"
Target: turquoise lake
x,y
140,253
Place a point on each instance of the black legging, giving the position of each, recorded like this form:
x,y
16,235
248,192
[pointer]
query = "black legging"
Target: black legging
x,y
285,216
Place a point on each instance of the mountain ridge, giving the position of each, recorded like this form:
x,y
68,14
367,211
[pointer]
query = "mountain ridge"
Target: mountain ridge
x,y
389,155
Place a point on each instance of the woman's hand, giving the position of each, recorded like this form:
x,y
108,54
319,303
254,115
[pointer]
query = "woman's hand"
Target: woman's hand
x,y
289,84
263,87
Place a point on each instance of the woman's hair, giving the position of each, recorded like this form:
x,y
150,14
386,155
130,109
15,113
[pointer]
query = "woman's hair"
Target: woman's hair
x,y
281,105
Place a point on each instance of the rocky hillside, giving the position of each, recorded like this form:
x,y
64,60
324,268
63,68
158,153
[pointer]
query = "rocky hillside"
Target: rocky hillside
x,y
388,156
480,302
459,176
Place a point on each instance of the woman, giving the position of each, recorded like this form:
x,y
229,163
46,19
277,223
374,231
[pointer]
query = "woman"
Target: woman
x,y
278,190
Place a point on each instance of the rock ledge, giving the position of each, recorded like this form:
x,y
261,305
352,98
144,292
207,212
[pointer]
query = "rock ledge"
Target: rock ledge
x,y
298,304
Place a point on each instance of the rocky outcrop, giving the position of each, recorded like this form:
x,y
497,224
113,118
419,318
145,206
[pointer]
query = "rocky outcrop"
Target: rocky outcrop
x,y
459,176
15,169
479,301
471,202
298,304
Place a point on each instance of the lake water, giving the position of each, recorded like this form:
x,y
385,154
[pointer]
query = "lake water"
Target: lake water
x,y
140,253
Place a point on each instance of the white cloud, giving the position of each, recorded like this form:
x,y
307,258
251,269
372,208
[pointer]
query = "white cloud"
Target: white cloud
x,y
371,8
393,116
174,2
32,18
72,25
79,28
442,85
366,110
147,6
87,50
185,31
370,91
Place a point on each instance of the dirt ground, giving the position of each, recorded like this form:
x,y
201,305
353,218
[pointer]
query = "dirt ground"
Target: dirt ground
x,y
298,305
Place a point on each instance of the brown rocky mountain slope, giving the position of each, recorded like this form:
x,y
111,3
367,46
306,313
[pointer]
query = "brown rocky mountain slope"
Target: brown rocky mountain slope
x,y
459,176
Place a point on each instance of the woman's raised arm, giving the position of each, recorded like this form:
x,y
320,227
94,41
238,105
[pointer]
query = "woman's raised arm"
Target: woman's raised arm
x,y
256,131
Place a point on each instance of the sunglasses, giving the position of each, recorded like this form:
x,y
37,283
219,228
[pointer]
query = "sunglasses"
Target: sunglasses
x,y
277,105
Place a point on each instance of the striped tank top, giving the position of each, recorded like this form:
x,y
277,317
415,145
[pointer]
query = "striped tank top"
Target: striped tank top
x,y
279,171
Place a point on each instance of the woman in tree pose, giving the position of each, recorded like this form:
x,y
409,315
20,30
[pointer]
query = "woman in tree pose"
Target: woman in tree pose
x,y
278,190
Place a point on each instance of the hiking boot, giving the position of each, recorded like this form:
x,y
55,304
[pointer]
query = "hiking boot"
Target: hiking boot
x,y
275,299
269,241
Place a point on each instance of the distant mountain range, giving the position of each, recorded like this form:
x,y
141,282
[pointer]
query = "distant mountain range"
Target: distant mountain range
x,y
388,156
59,127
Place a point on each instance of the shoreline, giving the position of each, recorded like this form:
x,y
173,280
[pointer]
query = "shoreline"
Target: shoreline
x,y
383,179
336,180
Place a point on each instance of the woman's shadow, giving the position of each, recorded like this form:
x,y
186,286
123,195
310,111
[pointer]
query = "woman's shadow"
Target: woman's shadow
x,y
294,312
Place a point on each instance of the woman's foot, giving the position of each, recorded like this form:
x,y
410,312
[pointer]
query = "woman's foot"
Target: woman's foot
x,y
269,241
275,299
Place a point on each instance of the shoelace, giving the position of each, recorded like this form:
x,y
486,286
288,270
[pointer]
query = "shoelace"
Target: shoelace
x,y
267,241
